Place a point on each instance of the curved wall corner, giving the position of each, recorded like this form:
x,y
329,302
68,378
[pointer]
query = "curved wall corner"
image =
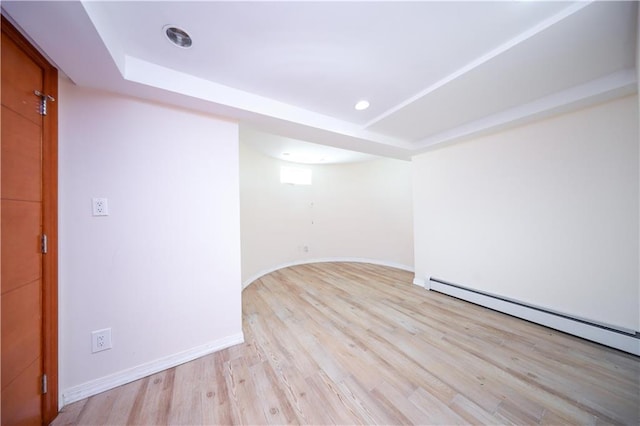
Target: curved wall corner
x,y
246,283
358,212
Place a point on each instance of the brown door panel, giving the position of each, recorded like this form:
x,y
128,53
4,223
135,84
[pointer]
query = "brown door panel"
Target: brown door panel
x,y
21,330
28,207
21,231
23,396
21,157
19,80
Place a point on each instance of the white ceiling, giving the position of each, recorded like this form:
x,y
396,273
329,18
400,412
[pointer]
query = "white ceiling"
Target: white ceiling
x,y
297,151
433,72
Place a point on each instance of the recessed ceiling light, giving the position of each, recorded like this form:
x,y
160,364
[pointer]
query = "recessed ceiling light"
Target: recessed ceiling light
x,y
177,36
362,105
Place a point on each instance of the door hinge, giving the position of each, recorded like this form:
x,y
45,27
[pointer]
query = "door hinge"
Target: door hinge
x,y
44,244
44,384
43,101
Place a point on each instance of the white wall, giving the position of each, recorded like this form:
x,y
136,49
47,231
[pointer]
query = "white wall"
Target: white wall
x,y
545,213
351,211
163,269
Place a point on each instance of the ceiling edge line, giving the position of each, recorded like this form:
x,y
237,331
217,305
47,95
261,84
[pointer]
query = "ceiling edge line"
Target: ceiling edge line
x,y
117,56
26,35
611,86
156,76
531,32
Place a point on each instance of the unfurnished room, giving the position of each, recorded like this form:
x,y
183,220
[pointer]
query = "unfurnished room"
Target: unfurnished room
x,y
320,212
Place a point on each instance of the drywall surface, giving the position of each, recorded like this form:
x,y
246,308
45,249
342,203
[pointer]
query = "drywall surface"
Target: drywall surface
x,y
350,211
163,269
545,213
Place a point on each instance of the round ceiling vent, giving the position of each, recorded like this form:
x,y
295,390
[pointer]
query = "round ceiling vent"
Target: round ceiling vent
x,y
178,36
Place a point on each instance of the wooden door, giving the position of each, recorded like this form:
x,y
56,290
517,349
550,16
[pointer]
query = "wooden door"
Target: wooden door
x,y
27,211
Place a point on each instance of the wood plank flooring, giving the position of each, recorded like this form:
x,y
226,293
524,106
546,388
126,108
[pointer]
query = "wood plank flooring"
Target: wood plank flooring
x,y
347,343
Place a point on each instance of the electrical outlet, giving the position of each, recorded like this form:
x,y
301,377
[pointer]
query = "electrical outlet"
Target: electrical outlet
x,y
100,207
100,340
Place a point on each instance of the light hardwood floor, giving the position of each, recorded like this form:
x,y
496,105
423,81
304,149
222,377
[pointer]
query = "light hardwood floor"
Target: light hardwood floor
x,y
346,343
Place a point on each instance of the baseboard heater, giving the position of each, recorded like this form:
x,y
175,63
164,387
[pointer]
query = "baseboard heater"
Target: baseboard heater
x,y
615,337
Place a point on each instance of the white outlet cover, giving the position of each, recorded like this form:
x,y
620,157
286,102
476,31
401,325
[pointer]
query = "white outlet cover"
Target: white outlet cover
x,y
100,207
100,340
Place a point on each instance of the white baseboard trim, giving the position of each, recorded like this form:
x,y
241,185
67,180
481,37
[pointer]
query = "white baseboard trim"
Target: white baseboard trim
x,y
260,274
420,282
94,387
605,335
